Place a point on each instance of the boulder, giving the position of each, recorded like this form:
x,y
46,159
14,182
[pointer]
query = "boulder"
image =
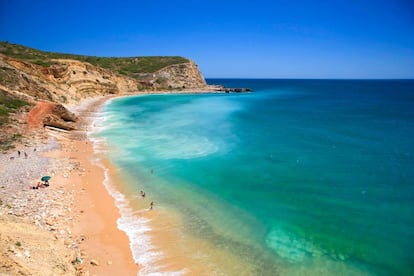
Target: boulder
x,y
55,121
61,111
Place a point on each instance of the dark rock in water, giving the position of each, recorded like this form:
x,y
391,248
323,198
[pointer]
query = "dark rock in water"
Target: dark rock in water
x,y
228,90
238,90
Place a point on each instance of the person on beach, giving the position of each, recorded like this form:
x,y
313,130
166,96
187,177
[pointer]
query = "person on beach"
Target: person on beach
x,y
25,155
18,153
39,185
151,205
142,194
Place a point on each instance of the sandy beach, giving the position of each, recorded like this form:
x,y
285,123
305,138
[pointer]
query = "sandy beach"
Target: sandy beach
x,y
70,227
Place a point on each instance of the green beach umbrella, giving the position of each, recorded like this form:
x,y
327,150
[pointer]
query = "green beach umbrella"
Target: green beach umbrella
x,y
45,178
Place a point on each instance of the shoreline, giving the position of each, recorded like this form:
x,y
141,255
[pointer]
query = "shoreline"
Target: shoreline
x,y
157,240
69,227
104,242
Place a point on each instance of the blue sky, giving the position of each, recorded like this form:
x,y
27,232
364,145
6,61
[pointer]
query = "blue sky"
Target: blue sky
x,y
256,38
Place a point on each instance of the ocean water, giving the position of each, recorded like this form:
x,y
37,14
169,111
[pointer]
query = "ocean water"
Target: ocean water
x,y
299,177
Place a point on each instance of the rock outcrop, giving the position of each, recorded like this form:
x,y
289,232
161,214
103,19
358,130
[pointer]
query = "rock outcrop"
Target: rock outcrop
x,y
180,76
51,114
64,114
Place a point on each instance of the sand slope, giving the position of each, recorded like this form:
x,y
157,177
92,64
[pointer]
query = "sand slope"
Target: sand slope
x,y
25,249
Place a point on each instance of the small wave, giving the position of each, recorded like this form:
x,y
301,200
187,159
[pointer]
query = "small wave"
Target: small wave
x,y
98,144
169,273
137,228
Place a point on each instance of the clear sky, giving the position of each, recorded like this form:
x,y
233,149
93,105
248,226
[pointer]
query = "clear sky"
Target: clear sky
x,y
255,38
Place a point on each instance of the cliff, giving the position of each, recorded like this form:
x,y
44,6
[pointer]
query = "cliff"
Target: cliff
x,y
66,78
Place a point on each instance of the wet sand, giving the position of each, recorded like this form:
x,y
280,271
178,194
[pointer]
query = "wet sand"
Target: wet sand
x,y
102,240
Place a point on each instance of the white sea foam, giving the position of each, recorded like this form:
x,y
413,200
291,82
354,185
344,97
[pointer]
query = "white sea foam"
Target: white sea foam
x,y
98,143
182,146
175,135
169,273
137,228
99,123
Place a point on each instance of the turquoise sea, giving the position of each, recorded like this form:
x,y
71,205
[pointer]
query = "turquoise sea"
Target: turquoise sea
x,y
298,177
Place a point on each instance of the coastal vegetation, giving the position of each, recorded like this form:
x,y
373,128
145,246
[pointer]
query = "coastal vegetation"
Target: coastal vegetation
x,y
9,106
128,66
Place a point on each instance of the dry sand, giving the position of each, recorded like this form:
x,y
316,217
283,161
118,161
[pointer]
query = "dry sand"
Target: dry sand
x,y
68,228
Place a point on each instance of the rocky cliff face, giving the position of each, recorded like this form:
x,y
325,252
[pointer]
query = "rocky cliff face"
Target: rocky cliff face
x,y
68,81
180,76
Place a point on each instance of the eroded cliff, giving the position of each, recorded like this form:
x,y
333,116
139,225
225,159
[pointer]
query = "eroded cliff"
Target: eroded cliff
x,y
68,81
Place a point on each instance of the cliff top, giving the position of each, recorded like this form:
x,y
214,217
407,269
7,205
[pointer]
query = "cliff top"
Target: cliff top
x,y
129,66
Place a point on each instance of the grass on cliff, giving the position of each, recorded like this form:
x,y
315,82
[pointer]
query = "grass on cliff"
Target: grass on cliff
x,y
9,105
129,66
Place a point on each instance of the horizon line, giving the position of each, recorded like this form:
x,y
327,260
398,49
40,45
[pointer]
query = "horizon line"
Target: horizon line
x,y
277,78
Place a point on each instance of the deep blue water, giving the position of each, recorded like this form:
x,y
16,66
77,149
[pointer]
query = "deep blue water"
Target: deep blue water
x,y
316,174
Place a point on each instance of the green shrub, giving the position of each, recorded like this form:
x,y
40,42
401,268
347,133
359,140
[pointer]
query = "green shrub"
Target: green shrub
x,y
8,105
17,136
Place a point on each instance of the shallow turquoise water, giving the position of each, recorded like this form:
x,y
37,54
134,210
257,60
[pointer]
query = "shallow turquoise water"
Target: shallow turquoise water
x,y
298,174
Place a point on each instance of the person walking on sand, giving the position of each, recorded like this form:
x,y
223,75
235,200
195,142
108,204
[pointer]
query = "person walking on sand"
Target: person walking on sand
x,y
18,153
151,205
25,155
142,193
